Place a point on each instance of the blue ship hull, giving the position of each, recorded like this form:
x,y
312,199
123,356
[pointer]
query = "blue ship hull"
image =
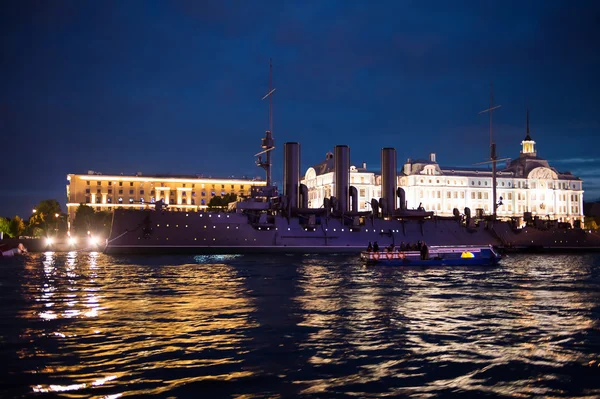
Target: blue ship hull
x,y
441,256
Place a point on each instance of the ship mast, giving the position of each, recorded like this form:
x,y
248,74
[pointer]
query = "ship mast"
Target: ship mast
x,y
493,158
268,144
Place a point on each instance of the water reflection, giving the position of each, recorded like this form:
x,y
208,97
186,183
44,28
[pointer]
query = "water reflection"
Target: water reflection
x,y
133,319
87,324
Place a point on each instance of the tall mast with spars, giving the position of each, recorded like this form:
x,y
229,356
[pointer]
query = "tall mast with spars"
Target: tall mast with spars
x,y
268,144
493,158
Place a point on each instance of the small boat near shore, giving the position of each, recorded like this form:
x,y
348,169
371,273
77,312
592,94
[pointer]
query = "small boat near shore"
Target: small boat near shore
x,y
435,256
10,252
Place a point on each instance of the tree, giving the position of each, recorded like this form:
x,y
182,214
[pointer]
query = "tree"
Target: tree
x,y
16,227
84,219
102,222
44,217
4,225
590,223
217,203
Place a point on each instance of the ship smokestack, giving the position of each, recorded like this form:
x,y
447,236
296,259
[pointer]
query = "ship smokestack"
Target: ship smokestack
x,y
291,173
389,179
342,176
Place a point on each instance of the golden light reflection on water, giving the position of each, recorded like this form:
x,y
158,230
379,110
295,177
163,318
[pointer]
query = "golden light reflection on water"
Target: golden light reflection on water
x,y
99,326
134,319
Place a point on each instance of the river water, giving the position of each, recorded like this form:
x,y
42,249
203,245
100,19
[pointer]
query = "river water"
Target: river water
x,y
92,325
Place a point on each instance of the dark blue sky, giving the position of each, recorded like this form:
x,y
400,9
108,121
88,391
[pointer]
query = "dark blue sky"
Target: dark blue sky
x,y
175,87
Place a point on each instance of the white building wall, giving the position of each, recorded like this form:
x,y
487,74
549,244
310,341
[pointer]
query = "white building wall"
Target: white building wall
x,y
562,200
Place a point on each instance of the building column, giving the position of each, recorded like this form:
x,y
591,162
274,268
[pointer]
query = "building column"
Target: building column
x,y
167,196
178,197
104,198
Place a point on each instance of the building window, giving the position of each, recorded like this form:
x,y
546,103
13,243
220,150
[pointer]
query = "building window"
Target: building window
x,y
242,187
183,184
193,193
99,183
222,186
203,193
131,200
141,192
87,190
87,182
184,194
97,200
120,183
130,192
98,191
120,191
109,200
87,200
110,183
212,193
203,202
362,192
152,200
193,201
110,190
120,200
142,200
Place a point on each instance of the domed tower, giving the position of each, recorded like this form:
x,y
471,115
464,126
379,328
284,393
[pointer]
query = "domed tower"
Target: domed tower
x,y
528,145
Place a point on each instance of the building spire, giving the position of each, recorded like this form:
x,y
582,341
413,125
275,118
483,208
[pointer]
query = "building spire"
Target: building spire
x,y
528,145
528,137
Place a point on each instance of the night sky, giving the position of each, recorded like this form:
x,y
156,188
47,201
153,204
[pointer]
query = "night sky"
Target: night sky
x,y
175,86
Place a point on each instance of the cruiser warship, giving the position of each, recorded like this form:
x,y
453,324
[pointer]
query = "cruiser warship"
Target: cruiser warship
x,y
267,222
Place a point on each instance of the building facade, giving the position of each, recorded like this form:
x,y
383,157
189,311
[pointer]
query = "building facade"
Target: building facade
x,y
106,192
526,184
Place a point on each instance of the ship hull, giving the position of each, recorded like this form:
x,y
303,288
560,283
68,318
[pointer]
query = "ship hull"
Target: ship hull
x,y
232,233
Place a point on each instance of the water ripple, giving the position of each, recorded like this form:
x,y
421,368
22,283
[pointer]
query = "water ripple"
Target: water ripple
x,y
92,325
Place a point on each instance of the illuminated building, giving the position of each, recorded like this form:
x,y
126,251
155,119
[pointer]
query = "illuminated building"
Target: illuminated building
x,y
106,192
526,184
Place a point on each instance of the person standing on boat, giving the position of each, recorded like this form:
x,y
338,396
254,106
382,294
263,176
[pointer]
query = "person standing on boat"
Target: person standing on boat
x,y
370,247
424,251
376,247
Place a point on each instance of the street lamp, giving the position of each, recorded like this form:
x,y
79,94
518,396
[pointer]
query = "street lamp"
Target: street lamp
x,y
56,215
